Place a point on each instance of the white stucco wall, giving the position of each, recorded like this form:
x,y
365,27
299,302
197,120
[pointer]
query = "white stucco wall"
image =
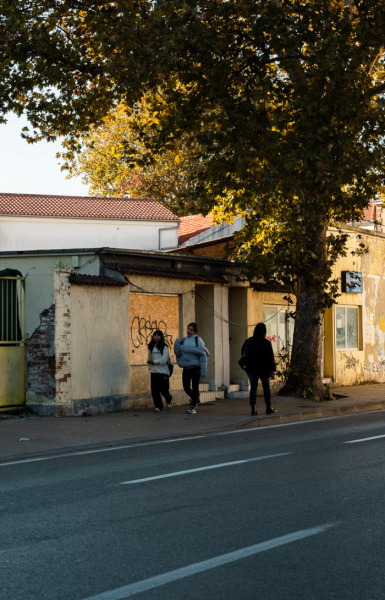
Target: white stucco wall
x,y
99,341
34,233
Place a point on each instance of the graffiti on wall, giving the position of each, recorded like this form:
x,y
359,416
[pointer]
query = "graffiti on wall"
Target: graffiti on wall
x,y
350,361
375,367
147,313
142,329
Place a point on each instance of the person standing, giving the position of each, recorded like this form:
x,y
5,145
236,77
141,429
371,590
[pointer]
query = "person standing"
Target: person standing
x,y
258,360
192,355
158,363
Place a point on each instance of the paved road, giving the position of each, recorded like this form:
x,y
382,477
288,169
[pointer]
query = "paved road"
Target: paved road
x,y
279,513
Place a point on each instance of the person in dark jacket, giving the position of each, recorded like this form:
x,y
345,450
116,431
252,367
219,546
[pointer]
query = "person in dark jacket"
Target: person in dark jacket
x,y
258,360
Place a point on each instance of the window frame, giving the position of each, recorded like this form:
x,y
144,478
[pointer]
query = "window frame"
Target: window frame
x,y
287,343
347,307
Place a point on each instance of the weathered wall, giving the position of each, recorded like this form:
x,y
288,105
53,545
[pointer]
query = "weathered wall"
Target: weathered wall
x,y
238,331
41,364
367,363
373,313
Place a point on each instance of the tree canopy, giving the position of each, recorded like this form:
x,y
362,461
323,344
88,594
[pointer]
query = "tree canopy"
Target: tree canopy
x,y
282,101
114,161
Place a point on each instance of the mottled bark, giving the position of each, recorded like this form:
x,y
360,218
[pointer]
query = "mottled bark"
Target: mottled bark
x,y
304,377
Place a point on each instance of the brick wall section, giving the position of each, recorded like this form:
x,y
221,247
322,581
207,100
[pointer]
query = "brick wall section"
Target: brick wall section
x,y
41,357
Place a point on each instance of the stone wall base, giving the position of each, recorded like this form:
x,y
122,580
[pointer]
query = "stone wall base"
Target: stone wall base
x,y
93,406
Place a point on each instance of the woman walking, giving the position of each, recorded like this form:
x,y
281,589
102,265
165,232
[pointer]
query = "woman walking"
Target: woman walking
x,y
191,354
158,360
258,361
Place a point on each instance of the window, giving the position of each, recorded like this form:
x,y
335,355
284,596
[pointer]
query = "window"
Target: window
x,y
279,325
347,324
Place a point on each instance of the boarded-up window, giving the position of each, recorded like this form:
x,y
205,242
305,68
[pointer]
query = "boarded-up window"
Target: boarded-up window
x,y
148,313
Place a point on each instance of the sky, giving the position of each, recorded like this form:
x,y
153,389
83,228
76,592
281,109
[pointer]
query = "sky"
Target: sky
x,y
32,168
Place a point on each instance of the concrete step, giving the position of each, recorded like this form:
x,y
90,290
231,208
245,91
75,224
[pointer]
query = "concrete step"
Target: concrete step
x,y
240,394
233,387
211,396
204,387
243,383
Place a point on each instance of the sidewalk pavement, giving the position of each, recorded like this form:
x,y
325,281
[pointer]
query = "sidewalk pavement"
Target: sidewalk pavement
x,y
27,436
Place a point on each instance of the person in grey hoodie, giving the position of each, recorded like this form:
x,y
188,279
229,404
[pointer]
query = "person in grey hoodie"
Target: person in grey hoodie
x,y
191,354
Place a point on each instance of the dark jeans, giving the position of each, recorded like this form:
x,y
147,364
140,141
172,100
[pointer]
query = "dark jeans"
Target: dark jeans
x,y
160,386
253,388
190,378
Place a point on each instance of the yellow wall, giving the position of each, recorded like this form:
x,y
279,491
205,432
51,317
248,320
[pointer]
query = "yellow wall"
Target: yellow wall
x,y
366,364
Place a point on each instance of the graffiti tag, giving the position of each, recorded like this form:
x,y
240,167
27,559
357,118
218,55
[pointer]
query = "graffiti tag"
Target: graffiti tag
x,y
375,367
142,330
350,362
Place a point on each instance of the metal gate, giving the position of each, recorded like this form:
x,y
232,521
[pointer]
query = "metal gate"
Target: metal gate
x,y
12,343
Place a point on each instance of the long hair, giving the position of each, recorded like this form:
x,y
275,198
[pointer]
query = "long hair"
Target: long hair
x,y
260,331
161,344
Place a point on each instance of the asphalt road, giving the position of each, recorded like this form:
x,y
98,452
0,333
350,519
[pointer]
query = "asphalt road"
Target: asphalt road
x,y
287,512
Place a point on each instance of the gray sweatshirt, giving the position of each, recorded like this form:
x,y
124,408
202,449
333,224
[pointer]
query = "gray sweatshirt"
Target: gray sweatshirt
x,y
160,360
191,352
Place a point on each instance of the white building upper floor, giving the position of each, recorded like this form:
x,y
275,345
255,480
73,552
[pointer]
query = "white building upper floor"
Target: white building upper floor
x,y
42,222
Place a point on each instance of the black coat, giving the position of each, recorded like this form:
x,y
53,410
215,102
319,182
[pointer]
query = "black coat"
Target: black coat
x,y
259,356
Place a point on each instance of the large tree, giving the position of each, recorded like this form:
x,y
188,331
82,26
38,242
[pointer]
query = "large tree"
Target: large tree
x,y
282,99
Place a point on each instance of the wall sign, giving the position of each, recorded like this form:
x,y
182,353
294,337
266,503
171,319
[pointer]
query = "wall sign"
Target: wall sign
x,y
351,282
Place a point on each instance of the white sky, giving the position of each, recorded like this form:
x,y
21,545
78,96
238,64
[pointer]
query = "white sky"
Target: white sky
x,y
32,168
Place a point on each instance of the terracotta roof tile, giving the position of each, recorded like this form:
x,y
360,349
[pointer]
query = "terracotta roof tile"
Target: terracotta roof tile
x,y
84,207
369,213
192,225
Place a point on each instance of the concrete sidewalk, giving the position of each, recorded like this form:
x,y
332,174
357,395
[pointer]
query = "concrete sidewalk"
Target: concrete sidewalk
x,y
27,436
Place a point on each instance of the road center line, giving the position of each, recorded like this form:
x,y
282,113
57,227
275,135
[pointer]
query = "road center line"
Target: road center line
x,y
375,437
208,468
153,582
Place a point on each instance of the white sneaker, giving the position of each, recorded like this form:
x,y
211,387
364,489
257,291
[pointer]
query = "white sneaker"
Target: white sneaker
x,y
156,409
169,405
192,410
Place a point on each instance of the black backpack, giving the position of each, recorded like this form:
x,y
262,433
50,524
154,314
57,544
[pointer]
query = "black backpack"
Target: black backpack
x,y
244,360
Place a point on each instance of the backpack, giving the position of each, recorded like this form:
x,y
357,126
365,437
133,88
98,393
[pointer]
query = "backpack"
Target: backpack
x,y
244,360
170,367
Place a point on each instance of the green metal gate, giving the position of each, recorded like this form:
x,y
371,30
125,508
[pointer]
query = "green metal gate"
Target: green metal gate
x,y
12,343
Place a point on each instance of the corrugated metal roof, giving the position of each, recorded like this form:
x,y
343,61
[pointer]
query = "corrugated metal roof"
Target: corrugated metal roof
x,y
86,207
170,274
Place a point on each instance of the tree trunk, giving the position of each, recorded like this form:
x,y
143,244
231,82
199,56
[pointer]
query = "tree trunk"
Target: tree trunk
x,y
304,373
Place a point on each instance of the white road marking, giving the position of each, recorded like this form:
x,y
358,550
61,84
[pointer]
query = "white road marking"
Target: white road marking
x,y
153,582
69,453
375,437
207,468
